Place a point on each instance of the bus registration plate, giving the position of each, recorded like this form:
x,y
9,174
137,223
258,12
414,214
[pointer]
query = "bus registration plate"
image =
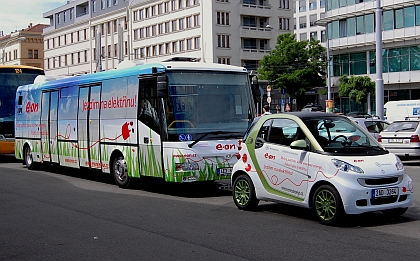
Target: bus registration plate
x,y
224,171
385,192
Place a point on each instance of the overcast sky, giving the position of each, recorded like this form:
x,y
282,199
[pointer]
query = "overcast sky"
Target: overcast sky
x,y
18,14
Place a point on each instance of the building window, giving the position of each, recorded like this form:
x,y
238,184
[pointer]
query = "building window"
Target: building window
x,y
93,6
302,5
223,60
197,42
302,22
35,54
284,4
102,4
64,16
303,36
312,20
108,4
284,24
222,18
58,18
181,23
313,35
30,54
196,20
312,4
223,41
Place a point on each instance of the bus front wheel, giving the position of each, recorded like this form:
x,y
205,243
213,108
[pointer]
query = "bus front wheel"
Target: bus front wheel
x,y
120,172
29,162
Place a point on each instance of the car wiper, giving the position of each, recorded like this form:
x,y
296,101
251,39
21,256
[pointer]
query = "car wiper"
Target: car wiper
x,y
370,147
238,135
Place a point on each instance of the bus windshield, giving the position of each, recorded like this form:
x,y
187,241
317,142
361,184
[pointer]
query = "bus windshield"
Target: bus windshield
x,y
9,81
202,102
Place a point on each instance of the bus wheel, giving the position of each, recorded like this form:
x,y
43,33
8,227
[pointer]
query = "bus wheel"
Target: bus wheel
x,y
244,193
29,163
120,172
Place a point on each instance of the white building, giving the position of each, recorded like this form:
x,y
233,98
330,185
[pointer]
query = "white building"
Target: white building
x,y
221,31
351,32
305,14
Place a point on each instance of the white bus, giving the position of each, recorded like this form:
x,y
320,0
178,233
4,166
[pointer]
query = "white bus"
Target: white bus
x,y
179,121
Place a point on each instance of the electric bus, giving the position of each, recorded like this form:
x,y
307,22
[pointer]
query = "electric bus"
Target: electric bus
x,y
179,121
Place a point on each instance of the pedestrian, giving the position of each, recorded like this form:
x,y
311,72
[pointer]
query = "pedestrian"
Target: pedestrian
x,y
287,108
266,110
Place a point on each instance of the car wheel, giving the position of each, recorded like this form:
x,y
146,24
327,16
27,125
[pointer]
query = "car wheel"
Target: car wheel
x,y
395,212
120,172
244,193
327,205
29,163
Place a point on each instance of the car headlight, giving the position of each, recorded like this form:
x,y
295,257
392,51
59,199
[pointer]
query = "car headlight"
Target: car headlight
x,y
345,166
399,164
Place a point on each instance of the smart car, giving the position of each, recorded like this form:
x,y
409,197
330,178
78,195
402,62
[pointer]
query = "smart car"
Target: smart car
x,y
296,158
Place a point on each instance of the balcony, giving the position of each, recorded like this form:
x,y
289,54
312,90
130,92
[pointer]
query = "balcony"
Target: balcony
x,y
254,54
256,32
255,10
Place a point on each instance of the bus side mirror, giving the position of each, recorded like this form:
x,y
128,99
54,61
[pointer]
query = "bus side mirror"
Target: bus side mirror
x,y
162,86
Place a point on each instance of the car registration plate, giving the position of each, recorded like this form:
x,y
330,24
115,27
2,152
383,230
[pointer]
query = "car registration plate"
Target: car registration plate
x,y
384,192
224,171
395,141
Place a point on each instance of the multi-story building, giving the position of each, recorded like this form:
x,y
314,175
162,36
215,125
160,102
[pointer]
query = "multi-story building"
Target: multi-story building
x,y
24,47
351,30
89,35
305,15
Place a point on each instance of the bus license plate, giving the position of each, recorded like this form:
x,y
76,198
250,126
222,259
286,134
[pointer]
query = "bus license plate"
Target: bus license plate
x,y
385,192
224,171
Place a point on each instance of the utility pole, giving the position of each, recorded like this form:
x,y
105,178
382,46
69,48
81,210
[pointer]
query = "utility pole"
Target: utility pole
x,y
379,91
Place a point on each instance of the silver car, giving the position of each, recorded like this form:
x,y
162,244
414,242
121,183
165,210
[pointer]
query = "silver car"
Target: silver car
x,y
402,138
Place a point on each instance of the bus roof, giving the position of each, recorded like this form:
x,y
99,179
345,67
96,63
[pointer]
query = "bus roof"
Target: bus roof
x,y
20,67
53,82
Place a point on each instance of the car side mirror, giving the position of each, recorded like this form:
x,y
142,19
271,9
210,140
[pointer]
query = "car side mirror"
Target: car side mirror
x,y
299,145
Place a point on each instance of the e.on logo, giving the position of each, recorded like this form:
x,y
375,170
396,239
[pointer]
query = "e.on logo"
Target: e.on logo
x,y
226,147
31,107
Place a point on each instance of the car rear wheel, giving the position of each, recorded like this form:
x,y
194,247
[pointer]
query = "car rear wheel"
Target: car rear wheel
x,y
327,205
244,193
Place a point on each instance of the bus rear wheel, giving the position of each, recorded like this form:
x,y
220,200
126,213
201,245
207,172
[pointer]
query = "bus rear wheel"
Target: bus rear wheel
x,y
120,172
29,162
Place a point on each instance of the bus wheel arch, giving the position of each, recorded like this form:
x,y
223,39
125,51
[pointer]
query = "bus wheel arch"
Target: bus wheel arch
x,y
27,156
119,170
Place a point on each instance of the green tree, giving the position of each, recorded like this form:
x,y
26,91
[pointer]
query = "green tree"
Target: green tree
x,y
356,88
296,66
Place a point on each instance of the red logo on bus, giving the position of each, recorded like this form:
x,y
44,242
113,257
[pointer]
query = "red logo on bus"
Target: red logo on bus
x,y
31,107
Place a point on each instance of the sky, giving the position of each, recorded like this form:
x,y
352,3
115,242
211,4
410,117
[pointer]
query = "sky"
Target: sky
x,y
18,14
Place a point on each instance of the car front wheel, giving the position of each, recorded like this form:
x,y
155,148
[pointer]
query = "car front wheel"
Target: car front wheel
x,y
327,205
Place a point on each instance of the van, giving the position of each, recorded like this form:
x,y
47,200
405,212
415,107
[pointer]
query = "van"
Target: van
x,y
401,110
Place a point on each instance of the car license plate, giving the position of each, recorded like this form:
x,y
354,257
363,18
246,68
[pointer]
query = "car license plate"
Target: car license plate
x,y
384,192
224,171
395,141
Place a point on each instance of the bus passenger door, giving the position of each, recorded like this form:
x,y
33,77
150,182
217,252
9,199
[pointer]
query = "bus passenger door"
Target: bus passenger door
x,y
48,126
88,127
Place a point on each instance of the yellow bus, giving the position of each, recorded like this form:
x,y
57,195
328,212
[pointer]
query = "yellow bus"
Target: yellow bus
x,y
11,77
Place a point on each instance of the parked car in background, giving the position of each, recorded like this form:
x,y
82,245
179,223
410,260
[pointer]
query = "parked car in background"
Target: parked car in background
x,y
321,161
358,114
372,125
402,138
312,107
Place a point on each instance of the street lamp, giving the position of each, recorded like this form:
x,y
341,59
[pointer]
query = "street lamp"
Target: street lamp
x,y
11,40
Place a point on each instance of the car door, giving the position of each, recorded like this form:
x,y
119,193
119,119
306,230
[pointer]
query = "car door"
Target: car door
x,y
284,171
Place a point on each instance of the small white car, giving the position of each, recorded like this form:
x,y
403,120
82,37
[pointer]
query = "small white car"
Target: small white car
x,y
295,158
402,138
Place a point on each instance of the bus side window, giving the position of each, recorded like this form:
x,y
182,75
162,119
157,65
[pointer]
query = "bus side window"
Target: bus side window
x,y
20,101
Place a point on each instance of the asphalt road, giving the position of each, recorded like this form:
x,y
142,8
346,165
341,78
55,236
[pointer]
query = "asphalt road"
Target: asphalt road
x,y
67,214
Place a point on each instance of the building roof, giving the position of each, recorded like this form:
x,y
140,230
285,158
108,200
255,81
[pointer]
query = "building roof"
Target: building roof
x,y
36,28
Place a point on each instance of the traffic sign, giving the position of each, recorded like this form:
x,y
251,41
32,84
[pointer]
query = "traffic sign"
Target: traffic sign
x,y
269,99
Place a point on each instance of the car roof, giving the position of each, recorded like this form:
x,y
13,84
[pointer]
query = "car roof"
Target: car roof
x,y
303,115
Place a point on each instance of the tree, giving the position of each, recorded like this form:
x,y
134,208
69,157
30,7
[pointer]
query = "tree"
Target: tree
x,y
356,88
294,66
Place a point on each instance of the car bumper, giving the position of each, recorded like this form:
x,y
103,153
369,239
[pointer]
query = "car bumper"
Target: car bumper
x,y
404,151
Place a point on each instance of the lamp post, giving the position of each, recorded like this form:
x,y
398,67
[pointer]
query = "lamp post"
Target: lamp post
x,y
379,91
11,40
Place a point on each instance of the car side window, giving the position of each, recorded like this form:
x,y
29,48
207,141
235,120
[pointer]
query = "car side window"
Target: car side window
x,y
263,133
284,132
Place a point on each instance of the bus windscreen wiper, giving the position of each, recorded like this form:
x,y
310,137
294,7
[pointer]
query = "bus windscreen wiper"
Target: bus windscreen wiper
x,y
215,133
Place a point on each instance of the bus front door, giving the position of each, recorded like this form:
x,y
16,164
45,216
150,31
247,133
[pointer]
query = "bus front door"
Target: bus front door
x,y
48,126
88,127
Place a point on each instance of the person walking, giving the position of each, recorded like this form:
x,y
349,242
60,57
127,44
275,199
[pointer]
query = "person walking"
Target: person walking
x,y
266,110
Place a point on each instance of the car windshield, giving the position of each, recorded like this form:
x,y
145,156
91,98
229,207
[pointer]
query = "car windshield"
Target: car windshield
x,y
342,135
402,126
